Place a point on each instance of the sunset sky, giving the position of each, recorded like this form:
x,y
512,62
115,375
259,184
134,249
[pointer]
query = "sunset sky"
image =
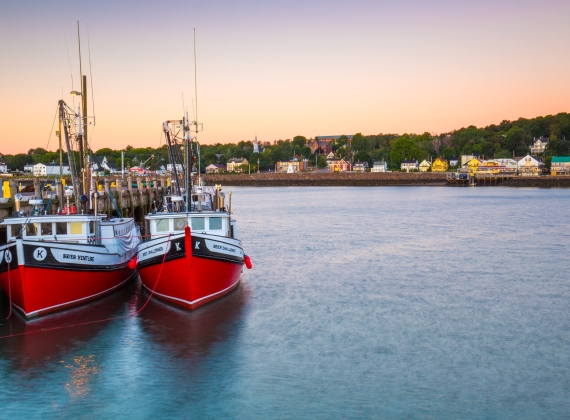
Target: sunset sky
x,y
279,69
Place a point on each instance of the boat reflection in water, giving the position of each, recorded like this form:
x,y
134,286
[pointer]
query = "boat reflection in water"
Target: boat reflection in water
x,y
43,347
186,334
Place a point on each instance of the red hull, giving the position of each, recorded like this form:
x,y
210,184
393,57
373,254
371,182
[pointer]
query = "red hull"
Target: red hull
x,y
206,280
36,291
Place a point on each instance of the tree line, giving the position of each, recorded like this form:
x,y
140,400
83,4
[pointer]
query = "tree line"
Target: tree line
x,y
504,140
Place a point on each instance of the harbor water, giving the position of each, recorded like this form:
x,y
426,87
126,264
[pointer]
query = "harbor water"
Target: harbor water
x,y
363,302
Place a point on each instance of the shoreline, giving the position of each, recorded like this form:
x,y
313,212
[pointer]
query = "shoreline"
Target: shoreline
x,y
370,179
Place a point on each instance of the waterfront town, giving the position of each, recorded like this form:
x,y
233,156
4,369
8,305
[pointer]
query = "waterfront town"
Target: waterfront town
x,y
536,147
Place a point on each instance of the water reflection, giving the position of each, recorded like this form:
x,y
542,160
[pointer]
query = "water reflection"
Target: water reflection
x,y
185,334
51,345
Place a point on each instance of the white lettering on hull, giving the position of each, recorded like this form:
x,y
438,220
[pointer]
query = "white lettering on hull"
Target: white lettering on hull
x,y
153,251
222,248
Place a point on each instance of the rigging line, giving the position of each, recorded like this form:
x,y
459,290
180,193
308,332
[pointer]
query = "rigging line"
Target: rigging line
x,y
70,71
52,124
91,79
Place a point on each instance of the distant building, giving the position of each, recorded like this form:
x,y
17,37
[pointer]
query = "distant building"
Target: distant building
x,y
467,158
100,164
170,168
294,165
3,168
530,166
234,164
409,165
29,167
380,166
360,167
48,170
439,165
215,168
338,165
560,165
425,165
320,147
453,161
538,145
473,164
255,145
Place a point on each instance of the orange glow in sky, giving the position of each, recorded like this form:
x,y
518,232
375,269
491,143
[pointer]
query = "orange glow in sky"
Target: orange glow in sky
x,y
281,69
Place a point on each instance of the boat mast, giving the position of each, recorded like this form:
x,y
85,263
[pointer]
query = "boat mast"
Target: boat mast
x,y
83,165
188,168
65,123
171,154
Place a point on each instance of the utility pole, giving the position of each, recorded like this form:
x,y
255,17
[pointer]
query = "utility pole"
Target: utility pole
x,y
122,165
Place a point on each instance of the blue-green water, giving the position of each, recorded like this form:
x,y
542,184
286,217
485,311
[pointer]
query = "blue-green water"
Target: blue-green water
x,y
420,302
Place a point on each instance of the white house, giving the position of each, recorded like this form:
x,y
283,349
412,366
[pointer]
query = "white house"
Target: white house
x,y
453,161
3,168
360,166
510,165
529,166
380,166
409,165
170,168
538,145
47,170
29,167
101,164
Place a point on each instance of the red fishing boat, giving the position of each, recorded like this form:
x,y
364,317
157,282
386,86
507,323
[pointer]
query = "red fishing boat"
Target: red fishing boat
x,y
53,261
192,254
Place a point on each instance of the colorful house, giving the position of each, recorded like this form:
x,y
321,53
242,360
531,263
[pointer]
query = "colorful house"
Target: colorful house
x,y
560,165
439,165
473,164
338,165
235,164
425,165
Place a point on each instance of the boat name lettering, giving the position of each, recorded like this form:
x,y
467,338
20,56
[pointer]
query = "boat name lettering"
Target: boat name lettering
x,y
78,257
152,251
224,248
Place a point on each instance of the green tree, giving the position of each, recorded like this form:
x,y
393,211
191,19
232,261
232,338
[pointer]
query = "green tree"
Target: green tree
x,y
363,156
404,148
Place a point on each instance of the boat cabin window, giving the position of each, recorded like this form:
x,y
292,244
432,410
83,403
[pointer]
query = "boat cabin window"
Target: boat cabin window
x,y
46,229
32,229
215,223
162,225
91,227
75,228
61,228
180,224
14,230
198,223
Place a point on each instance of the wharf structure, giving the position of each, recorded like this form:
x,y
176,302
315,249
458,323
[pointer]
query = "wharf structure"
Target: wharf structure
x,y
133,196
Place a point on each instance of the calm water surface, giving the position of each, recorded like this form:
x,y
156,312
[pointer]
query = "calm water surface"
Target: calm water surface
x,y
418,302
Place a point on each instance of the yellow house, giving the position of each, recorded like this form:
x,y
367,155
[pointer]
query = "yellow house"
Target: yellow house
x,y
473,164
439,165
